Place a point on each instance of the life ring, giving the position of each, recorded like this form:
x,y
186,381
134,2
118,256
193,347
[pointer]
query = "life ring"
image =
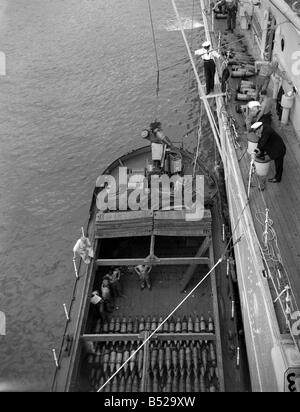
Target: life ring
x,y
296,7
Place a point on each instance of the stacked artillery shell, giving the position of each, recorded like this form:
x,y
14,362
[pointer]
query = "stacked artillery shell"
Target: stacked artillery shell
x,y
117,326
166,327
142,325
130,326
123,328
98,326
148,324
136,326
173,365
112,325
105,327
140,357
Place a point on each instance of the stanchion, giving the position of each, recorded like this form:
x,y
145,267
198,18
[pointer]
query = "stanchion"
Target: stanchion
x,y
251,171
66,311
55,358
237,357
75,267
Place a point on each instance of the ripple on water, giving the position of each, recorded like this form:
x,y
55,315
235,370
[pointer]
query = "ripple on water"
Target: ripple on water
x,y
80,88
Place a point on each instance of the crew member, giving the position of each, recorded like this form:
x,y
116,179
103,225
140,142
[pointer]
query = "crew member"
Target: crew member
x,y
265,113
271,143
98,304
225,74
143,272
231,9
208,56
106,295
251,112
265,69
114,282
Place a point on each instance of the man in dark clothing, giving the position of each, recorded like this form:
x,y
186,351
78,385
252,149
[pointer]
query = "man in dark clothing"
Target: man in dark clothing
x,y
208,57
271,143
231,8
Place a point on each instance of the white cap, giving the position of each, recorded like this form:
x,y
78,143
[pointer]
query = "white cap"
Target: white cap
x,y
256,125
253,104
206,44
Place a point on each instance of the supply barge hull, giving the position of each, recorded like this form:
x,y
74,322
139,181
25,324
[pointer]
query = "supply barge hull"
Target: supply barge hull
x,y
191,352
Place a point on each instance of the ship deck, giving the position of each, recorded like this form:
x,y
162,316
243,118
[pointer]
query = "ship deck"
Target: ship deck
x,y
282,200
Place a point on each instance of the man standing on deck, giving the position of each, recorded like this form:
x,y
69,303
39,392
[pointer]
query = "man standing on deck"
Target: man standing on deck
x,y
231,7
251,111
265,69
265,114
208,56
271,143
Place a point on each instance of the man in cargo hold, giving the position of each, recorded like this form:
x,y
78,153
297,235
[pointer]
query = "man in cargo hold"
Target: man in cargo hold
x,y
98,305
143,272
114,282
106,295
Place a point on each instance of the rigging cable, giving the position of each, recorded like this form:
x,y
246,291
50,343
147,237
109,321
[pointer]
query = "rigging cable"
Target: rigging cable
x,y
191,41
155,49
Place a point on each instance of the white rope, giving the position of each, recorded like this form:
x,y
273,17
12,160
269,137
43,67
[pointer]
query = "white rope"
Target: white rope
x,y
251,171
159,326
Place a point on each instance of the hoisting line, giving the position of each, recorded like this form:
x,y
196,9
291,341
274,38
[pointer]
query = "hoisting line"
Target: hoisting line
x,y
155,49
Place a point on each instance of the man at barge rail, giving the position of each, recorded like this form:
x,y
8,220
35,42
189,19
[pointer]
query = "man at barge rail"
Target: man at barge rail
x,y
271,143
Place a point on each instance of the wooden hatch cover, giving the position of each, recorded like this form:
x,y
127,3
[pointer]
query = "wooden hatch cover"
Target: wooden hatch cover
x,y
146,223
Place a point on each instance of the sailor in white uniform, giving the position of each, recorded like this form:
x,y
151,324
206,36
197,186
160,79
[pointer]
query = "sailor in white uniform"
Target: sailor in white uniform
x,y
208,57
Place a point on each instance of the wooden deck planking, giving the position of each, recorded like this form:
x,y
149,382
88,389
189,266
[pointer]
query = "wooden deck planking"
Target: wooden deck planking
x,y
282,199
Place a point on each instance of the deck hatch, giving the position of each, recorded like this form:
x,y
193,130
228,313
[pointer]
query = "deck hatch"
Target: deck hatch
x,y
146,223
174,223
124,224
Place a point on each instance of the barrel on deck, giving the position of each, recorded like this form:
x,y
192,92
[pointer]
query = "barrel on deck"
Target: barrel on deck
x,y
262,166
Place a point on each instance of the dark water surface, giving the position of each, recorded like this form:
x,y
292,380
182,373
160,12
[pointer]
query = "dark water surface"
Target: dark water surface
x,y
80,86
